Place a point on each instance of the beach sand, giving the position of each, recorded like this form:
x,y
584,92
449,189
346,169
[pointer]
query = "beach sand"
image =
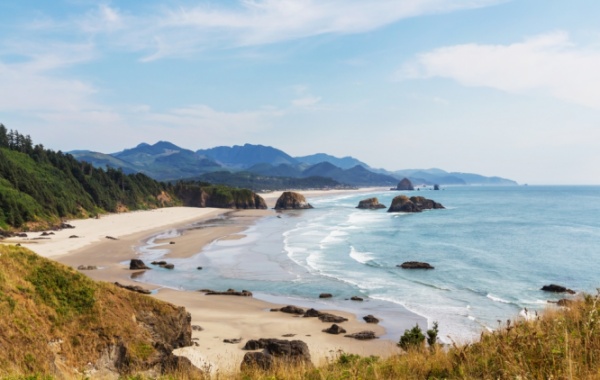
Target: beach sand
x,y
220,317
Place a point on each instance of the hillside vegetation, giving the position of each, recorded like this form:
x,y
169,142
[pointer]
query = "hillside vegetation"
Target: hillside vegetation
x,y
56,321
40,186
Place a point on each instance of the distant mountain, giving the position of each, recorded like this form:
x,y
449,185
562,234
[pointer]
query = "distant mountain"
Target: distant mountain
x,y
247,155
161,161
167,161
442,177
343,163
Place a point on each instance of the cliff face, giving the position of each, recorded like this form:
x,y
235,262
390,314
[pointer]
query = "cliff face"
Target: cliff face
x,y
58,322
402,203
193,195
290,200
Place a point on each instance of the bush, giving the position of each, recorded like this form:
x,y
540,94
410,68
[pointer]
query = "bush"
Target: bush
x,y
412,339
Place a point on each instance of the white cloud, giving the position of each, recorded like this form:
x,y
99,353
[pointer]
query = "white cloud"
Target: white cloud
x,y
549,64
306,102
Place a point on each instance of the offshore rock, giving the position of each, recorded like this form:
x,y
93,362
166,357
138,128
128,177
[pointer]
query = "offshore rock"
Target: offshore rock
x,y
370,204
405,184
415,265
370,319
290,200
402,203
557,289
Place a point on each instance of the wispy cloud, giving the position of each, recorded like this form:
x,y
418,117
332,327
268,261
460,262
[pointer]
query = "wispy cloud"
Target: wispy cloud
x,y
549,64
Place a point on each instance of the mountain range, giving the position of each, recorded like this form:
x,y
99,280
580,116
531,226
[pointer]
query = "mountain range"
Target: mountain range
x,y
168,162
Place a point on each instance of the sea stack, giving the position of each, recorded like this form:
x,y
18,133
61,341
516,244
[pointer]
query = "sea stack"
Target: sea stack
x,y
405,184
370,204
290,200
402,203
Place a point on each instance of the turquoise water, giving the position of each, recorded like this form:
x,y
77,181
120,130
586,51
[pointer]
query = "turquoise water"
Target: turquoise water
x,y
493,248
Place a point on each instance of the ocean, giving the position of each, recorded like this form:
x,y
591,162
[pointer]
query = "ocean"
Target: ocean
x,y
493,248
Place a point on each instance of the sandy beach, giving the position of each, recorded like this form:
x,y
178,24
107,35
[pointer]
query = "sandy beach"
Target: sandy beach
x,y
220,317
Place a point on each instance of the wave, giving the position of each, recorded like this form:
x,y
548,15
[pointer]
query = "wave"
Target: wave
x,y
497,299
361,257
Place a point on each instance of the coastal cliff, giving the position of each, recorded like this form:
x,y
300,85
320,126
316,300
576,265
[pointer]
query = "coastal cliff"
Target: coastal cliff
x,y
61,323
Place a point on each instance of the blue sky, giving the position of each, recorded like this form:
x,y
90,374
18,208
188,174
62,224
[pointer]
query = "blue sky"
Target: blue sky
x,y
496,87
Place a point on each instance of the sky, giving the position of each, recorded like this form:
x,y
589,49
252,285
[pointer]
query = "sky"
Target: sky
x,y
494,87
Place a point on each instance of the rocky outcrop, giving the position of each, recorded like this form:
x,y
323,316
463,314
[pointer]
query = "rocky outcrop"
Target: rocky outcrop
x,y
293,352
290,200
134,288
415,265
402,203
553,288
405,184
137,264
370,204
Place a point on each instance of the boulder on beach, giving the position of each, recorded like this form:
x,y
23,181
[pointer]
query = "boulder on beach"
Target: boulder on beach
x,y
405,184
402,203
229,292
362,335
553,288
291,309
290,200
137,264
335,330
325,295
330,318
370,319
370,204
415,265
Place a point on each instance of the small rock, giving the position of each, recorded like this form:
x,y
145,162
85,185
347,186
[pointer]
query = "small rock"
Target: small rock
x,y
312,313
73,237
290,309
159,263
370,319
199,268
325,295
171,242
232,341
363,335
415,265
330,318
197,328
111,238
356,298
335,329
168,266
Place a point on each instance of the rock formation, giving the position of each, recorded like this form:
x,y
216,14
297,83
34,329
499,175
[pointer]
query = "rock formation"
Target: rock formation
x,y
137,264
405,184
325,295
415,265
402,203
290,200
370,319
363,335
229,292
553,288
370,204
215,196
335,329
286,351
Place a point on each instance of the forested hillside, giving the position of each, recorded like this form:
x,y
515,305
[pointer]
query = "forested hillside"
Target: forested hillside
x,y
40,186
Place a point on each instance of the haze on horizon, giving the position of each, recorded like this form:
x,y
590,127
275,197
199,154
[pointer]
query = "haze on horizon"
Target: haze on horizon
x,y
494,87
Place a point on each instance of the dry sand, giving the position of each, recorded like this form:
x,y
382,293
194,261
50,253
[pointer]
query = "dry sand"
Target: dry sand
x,y
221,317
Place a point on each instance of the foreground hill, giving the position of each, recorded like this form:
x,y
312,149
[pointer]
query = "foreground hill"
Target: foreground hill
x,y
58,322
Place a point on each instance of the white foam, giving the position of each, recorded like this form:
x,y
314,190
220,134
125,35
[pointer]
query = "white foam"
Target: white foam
x,y
361,257
497,299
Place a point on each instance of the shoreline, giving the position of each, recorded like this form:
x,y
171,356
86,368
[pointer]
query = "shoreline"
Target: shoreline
x,y
221,317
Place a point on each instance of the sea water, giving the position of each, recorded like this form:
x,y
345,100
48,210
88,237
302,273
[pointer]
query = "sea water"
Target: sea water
x,y
493,248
